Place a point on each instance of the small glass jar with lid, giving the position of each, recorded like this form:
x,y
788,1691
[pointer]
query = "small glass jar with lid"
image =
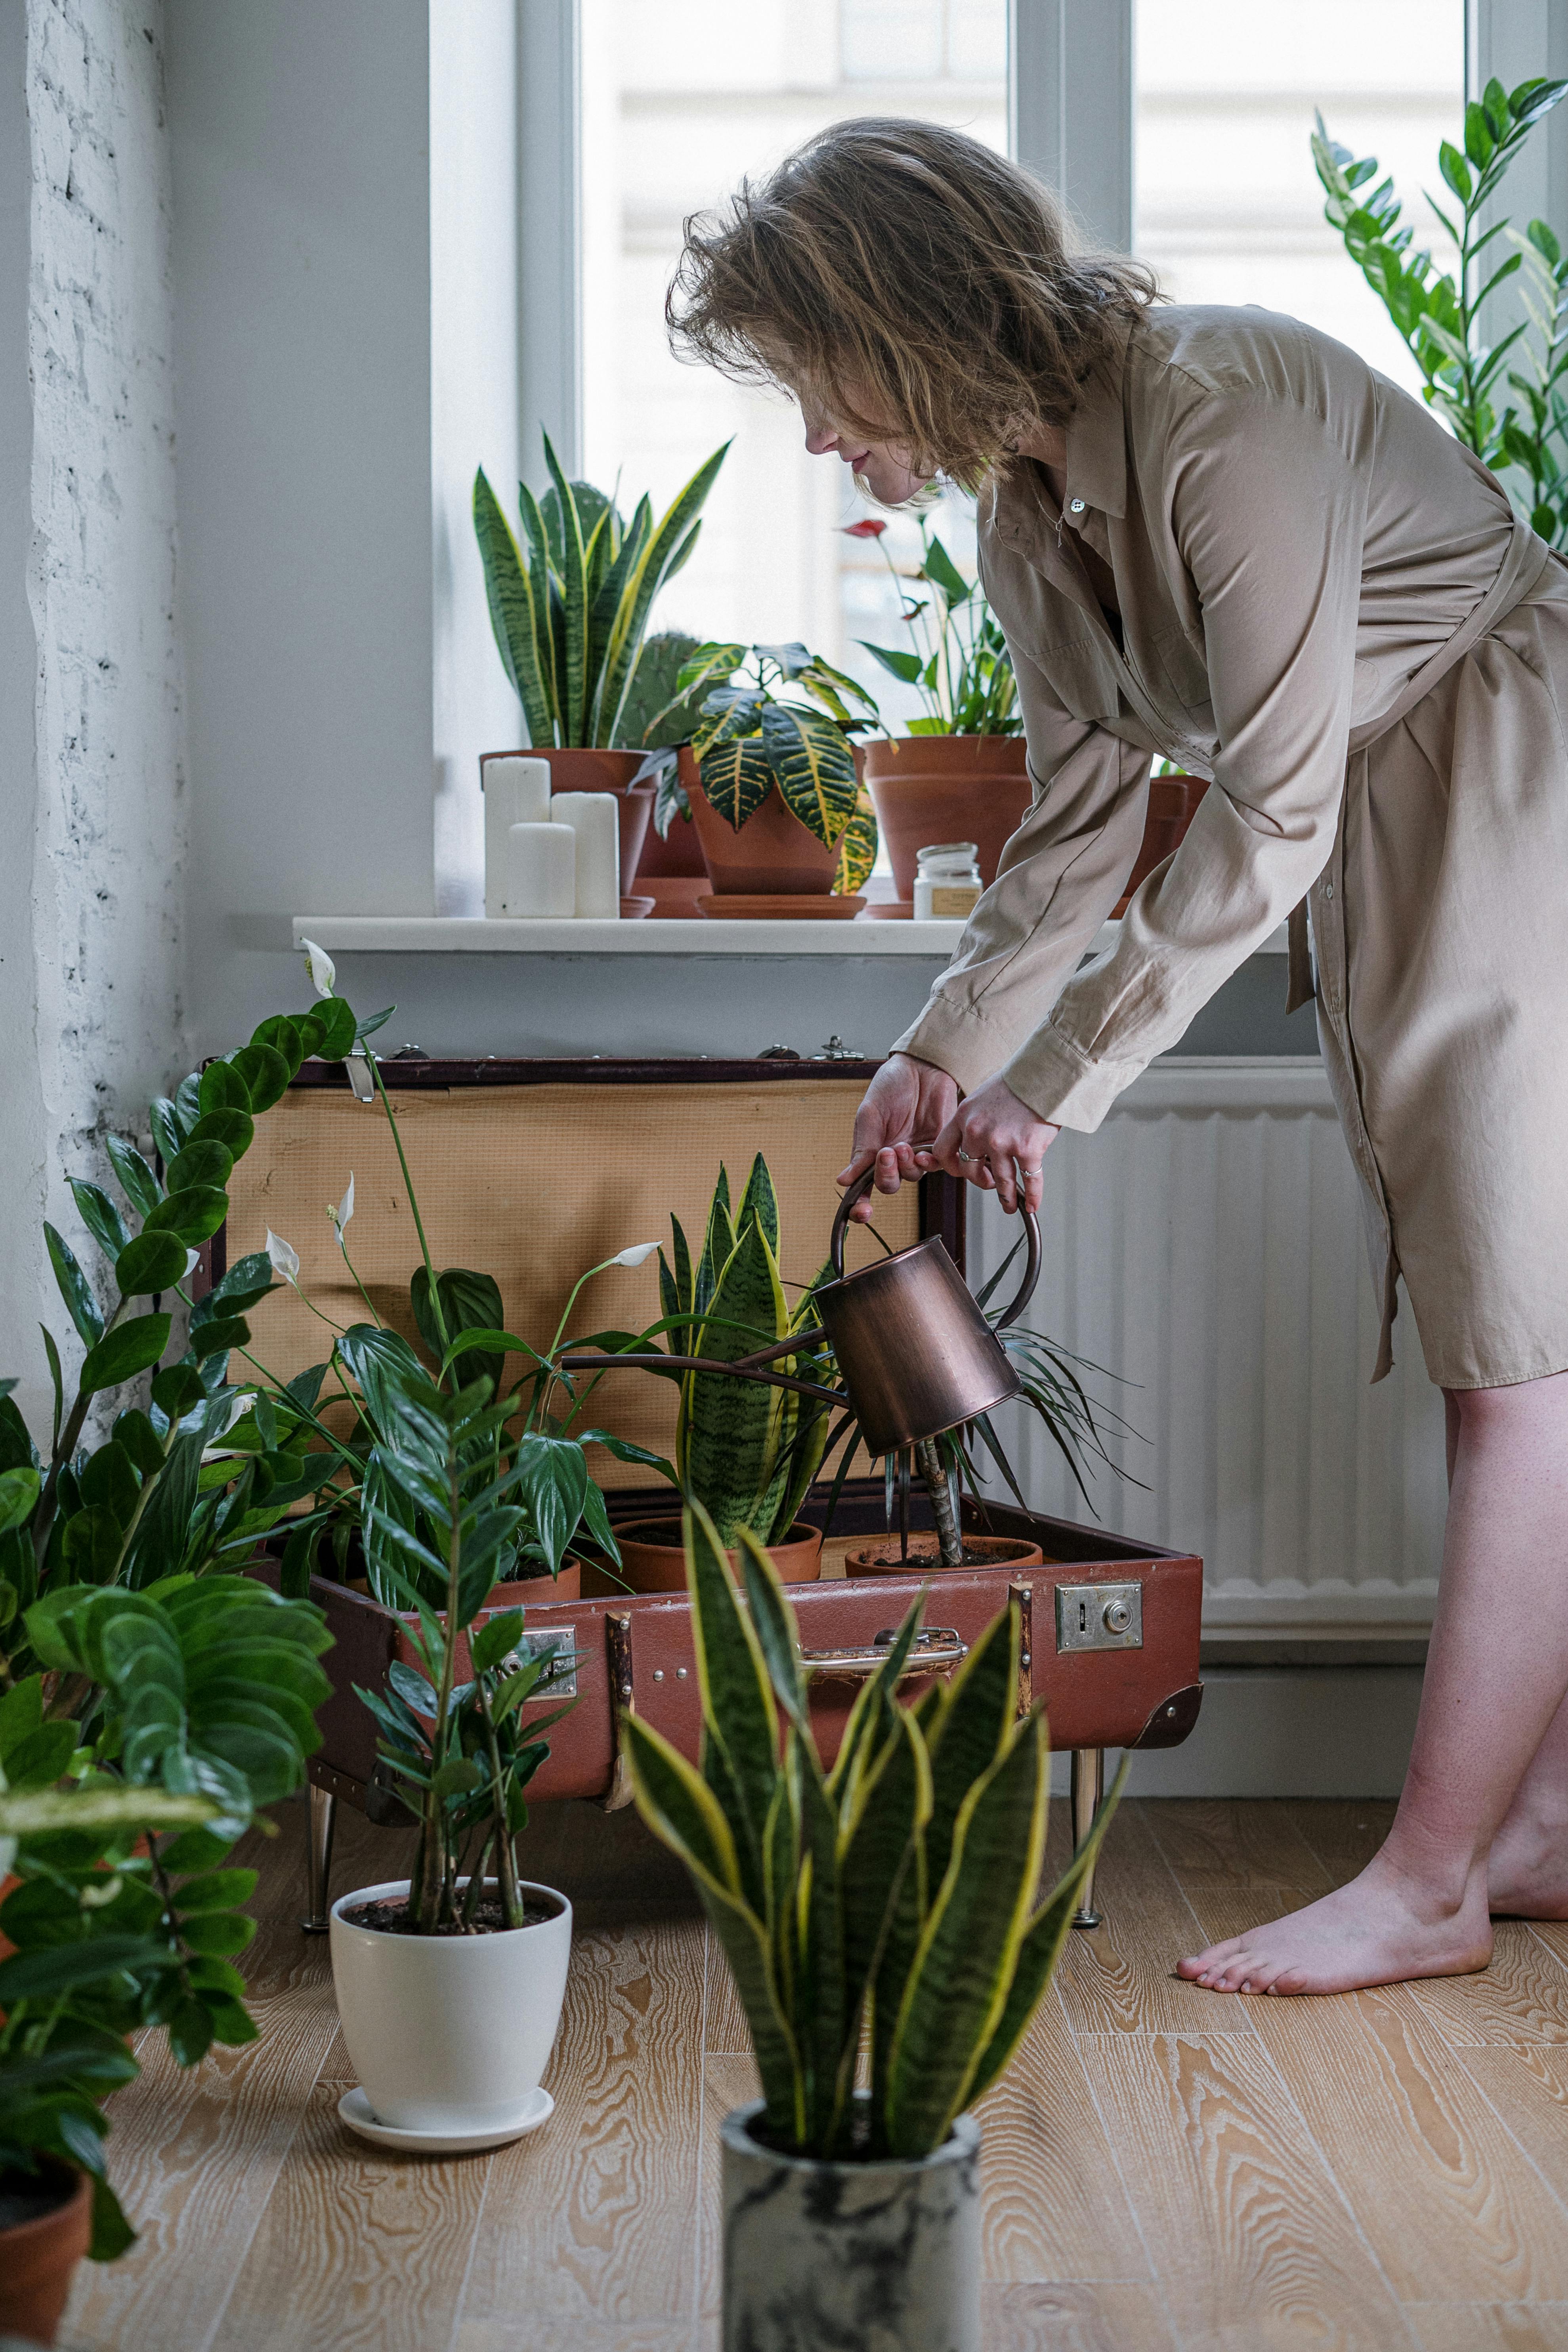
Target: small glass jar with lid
x,y
947,881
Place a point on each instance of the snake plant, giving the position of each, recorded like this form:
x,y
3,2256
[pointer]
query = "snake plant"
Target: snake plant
x,y
893,1893
570,617
747,1453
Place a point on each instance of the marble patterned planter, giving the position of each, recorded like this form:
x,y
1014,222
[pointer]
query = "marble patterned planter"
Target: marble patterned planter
x,y
884,2257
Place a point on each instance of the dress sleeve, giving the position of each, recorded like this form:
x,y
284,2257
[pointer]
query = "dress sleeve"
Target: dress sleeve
x,y
1058,879
1267,511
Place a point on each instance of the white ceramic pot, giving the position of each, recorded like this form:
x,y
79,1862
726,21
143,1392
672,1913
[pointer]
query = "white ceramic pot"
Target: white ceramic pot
x,y
449,2034
881,2256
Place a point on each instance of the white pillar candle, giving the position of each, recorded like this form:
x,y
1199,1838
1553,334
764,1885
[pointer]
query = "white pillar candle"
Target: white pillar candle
x,y
595,819
517,792
540,877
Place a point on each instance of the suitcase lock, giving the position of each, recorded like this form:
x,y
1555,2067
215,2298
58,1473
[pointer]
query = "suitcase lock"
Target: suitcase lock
x,y
1099,1617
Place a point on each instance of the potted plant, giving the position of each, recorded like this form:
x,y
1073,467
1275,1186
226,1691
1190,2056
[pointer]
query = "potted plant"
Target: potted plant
x,y
887,1902
959,773
141,1732
747,1453
570,617
770,781
449,1983
659,718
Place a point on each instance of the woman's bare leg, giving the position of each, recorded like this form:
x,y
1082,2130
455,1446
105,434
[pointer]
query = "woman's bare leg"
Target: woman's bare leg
x,y
1490,1746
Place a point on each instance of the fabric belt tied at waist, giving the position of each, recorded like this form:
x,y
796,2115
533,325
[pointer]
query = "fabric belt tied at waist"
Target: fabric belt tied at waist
x,y
1518,576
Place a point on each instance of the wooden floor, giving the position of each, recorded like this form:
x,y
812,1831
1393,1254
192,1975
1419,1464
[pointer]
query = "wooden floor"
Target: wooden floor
x,y
1164,2169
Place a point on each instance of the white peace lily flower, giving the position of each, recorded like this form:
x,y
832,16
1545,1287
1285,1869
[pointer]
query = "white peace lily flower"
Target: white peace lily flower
x,y
636,1255
192,1259
323,971
343,1213
282,1258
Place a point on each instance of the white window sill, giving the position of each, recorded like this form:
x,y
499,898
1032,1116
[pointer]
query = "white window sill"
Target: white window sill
x,y
471,935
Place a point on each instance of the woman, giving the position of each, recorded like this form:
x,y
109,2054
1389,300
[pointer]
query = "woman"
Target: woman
x,y
1219,536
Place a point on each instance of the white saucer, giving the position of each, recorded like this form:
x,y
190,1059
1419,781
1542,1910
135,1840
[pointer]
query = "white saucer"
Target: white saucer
x,y
360,2116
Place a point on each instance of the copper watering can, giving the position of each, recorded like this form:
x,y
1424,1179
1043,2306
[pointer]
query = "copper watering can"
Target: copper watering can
x,y
916,1353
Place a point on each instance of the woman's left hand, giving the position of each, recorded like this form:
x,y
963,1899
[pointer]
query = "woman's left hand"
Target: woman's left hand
x,y
995,1141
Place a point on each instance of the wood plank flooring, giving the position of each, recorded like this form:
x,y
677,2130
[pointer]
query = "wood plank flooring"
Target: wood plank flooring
x,y
1165,2169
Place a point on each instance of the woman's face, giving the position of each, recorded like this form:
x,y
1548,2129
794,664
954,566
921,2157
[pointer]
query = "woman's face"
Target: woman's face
x,y
883,465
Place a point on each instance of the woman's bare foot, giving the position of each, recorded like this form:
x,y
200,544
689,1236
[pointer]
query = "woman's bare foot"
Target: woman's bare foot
x,y
1380,1929
1527,1871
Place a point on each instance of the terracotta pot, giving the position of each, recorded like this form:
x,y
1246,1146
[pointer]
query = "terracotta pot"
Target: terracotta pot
x,y
680,853
653,1559
882,1558
582,771
529,1591
928,788
773,855
1173,805
38,2258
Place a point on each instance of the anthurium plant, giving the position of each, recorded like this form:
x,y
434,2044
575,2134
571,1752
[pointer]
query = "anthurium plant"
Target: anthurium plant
x,y
779,717
892,1899
747,1452
957,655
161,1721
570,606
1442,315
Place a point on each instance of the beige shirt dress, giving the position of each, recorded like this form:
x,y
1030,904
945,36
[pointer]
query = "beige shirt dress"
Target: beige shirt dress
x,y
1327,607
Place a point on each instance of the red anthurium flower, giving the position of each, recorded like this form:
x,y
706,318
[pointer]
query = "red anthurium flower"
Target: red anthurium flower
x,y
867,529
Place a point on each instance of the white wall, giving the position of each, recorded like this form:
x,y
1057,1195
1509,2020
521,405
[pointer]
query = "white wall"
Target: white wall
x,y
90,705
299,136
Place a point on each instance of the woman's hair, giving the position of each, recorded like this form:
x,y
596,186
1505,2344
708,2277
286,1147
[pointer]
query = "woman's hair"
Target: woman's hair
x,y
917,285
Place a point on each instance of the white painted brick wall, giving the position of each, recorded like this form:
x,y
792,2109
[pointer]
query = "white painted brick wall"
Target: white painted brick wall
x,y
107,816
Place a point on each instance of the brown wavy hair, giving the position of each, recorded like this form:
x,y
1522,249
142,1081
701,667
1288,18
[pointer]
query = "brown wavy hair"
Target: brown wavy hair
x,y
913,283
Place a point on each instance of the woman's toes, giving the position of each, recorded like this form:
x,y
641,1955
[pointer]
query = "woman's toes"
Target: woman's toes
x,y
1202,1966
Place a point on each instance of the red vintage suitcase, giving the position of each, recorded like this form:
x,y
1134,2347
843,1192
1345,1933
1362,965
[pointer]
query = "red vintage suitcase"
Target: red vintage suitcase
x,y
534,1169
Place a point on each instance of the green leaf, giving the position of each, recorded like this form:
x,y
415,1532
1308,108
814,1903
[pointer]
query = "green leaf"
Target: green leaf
x,y
1454,171
495,1639
200,1163
190,2032
285,1036
152,1261
18,1497
219,1088
469,1302
737,779
178,1391
520,626
813,768
131,1348
195,1214
940,567
551,1486
221,1932
100,1215
91,1542
112,2232
903,665
1480,145
665,543
215,1890
738,1711
81,1304
58,1968
108,1477
265,1073
235,1130
168,1128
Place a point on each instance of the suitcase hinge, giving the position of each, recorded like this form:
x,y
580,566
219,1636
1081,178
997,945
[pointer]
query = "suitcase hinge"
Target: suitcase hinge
x,y
618,1661
1024,1594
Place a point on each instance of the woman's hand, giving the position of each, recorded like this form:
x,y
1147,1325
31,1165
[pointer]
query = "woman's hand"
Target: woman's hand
x,y
995,1141
907,1106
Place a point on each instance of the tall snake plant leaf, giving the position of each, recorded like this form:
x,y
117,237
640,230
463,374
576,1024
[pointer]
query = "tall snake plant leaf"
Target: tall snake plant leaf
x,y
972,1721
812,766
969,1947
826,2029
760,1201
873,1707
514,613
646,578
717,1242
879,1844
551,621
727,1444
575,597
772,1621
606,600
739,1717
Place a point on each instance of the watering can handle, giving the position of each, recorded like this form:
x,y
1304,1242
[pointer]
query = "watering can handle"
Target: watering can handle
x,y
857,1191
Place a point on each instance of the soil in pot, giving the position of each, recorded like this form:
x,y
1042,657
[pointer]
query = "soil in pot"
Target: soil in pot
x,y
773,855
924,1559
391,1918
929,788
653,1559
46,2224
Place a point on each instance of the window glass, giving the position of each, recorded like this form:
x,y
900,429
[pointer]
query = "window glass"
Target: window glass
x,y
679,102
1229,206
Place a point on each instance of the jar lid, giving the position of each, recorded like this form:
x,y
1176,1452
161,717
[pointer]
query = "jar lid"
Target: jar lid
x,y
969,849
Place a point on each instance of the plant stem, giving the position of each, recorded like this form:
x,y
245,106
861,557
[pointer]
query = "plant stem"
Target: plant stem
x,y
933,1470
506,1860
412,1202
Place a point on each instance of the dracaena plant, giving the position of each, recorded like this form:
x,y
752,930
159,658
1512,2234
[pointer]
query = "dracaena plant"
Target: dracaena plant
x,y
159,1724
778,717
570,606
1439,314
891,1899
958,657
440,1502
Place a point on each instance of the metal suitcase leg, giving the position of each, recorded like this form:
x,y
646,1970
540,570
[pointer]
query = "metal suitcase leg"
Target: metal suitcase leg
x,y
1088,1789
319,1823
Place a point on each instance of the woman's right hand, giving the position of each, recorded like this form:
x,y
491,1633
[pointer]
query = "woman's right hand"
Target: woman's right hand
x,y
904,1109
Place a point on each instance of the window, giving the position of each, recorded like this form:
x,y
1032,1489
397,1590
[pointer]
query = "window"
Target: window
x,y
1228,208
678,103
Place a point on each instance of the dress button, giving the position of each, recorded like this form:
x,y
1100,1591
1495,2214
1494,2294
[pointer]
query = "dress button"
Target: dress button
x,y
1328,889
1075,506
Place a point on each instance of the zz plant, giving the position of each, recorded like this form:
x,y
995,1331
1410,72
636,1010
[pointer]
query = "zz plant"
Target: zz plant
x,y
570,614
1440,315
890,1898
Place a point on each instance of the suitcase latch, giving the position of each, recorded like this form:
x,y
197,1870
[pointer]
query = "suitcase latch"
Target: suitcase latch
x,y
937,1650
1099,1617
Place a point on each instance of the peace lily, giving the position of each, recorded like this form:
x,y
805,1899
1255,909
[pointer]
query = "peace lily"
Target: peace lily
x,y
636,1256
282,1258
319,965
342,1213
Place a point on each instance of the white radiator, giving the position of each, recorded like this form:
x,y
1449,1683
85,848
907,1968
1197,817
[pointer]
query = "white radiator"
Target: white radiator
x,y
1205,1247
